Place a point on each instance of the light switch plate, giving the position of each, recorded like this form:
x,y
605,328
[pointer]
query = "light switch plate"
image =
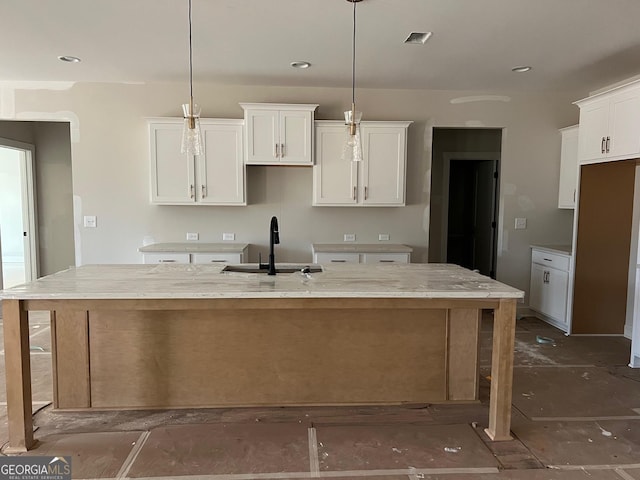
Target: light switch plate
x,y
349,237
90,221
228,237
192,236
383,237
521,223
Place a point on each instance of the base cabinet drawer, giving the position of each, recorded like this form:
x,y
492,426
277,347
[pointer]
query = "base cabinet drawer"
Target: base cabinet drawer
x,y
202,258
385,258
322,258
166,258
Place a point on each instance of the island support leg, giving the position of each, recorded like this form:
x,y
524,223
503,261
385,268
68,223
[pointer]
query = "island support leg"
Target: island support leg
x,y
504,327
18,376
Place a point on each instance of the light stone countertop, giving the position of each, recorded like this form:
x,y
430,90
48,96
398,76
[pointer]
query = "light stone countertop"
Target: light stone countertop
x,y
361,248
189,281
561,249
194,247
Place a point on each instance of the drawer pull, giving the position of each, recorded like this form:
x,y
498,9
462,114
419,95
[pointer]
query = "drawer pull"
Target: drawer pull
x,y
386,261
218,261
547,260
338,261
166,261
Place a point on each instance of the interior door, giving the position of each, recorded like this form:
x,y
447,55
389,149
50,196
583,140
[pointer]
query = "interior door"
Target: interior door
x,y
17,216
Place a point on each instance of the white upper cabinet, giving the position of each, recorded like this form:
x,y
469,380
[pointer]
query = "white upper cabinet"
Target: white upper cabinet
x,y
609,125
215,178
379,180
568,168
278,134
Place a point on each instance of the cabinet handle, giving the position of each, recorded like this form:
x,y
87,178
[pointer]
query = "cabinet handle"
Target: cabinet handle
x,y
366,192
166,261
387,261
276,154
282,150
574,194
547,260
338,261
355,190
602,145
218,261
192,190
204,191
608,141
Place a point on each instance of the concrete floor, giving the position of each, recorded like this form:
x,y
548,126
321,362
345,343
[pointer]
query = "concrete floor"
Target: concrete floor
x,y
576,415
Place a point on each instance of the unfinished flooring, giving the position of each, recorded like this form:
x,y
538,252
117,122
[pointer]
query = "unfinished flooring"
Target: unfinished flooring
x,y
576,415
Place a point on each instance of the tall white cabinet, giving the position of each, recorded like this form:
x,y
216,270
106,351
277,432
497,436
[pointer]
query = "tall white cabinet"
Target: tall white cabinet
x,y
279,134
378,181
215,178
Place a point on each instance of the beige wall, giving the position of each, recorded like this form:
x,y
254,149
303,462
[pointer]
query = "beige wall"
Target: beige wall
x,y
54,207
111,169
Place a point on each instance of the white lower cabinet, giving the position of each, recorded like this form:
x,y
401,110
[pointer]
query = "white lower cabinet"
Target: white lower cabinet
x,y
549,286
209,253
351,257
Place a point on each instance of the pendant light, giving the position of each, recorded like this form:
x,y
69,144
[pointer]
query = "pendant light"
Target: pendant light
x,y
191,135
353,145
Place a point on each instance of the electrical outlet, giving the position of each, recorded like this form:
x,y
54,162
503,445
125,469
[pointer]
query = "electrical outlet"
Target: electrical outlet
x,y
90,221
228,237
349,237
192,236
383,237
521,223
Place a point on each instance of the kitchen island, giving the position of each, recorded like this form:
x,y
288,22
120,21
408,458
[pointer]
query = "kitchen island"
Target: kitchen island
x,y
170,336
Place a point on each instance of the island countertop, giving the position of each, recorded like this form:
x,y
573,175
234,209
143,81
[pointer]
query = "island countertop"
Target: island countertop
x,y
188,281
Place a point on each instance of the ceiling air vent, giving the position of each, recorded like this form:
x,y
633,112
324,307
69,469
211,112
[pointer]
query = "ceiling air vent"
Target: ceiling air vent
x,y
418,37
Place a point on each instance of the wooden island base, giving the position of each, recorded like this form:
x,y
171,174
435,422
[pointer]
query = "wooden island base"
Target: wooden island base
x,y
171,353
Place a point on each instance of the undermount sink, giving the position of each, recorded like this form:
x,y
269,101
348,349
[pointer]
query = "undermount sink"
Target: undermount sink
x,y
288,268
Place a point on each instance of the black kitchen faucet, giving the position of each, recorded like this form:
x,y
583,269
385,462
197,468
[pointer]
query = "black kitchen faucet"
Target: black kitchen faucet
x,y
274,237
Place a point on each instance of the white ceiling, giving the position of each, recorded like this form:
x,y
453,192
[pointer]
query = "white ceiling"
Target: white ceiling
x,y
571,44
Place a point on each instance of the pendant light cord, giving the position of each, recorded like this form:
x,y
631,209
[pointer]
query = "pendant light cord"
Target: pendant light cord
x,y
190,59
353,53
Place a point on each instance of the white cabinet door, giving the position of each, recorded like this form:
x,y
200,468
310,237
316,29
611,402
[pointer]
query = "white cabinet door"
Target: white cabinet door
x,y
296,132
568,168
377,181
536,289
555,298
624,118
594,127
172,172
263,141
221,179
279,134
334,179
383,169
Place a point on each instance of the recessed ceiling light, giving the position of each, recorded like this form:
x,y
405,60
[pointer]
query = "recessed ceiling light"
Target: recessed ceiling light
x,y
521,69
300,64
418,37
69,58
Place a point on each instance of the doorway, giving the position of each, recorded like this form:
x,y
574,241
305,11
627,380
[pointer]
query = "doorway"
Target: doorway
x,y
18,237
464,210
471,214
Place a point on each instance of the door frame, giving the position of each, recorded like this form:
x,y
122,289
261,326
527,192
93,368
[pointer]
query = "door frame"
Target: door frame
x,y
447,158
30,223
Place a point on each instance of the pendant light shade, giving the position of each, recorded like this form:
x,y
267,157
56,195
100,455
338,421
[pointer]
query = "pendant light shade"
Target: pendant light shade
x,y
353,144
191,135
